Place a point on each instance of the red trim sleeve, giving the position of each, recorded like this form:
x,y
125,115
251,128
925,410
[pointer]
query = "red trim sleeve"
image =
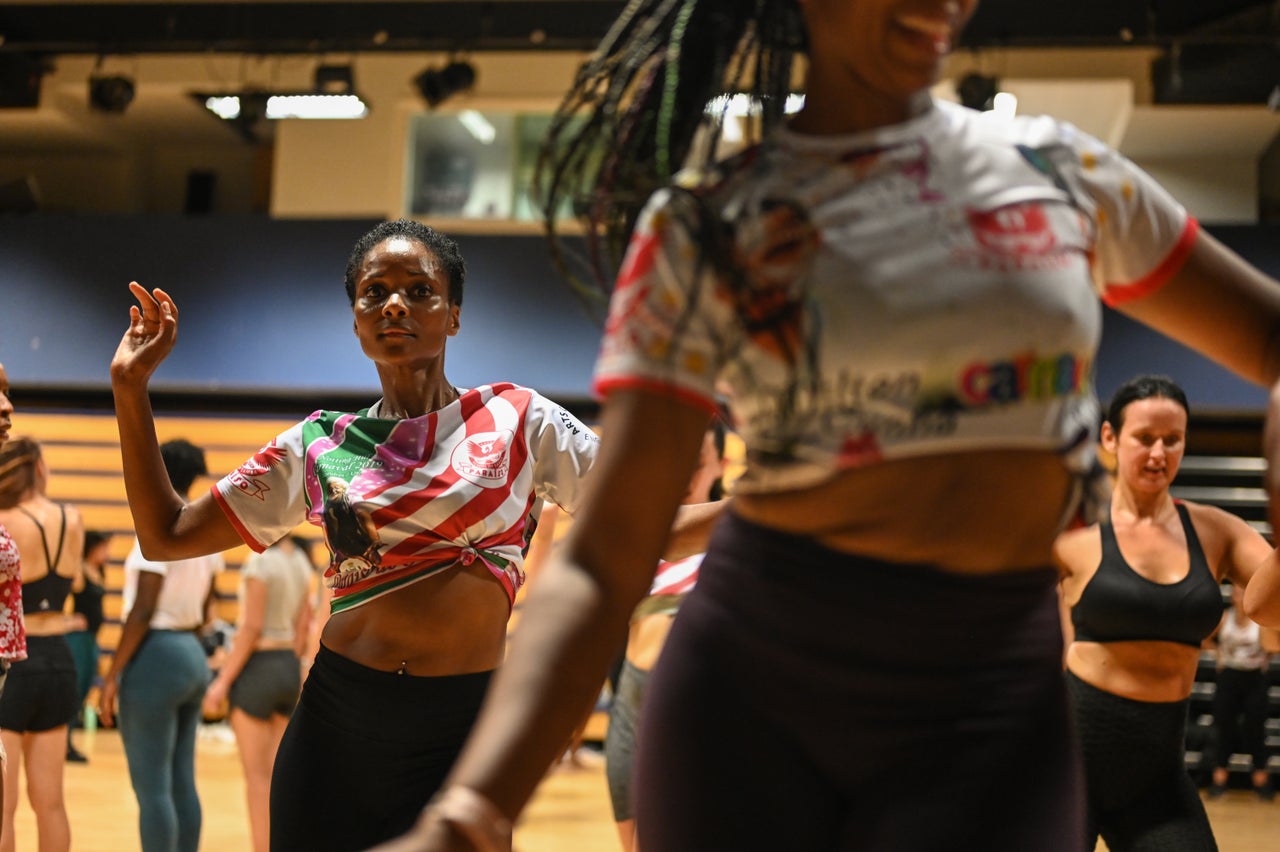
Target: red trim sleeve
x,y
604,387
248,538
1118,294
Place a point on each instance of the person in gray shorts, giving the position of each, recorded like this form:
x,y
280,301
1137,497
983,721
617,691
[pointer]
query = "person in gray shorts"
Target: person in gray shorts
x,y
262,675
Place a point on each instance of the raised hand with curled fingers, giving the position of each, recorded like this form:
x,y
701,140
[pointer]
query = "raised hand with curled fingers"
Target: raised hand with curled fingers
x,y
153,330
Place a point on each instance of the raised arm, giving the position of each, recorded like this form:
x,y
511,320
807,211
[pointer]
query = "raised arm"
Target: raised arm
x,y
166,525
1228,311
1220,306
576,614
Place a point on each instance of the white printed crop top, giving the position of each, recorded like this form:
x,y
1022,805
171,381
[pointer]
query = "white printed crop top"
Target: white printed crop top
x,y
925,288
400,500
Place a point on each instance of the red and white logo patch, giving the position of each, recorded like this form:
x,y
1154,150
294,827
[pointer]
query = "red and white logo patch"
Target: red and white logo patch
x,y
484,458
245,478
1019,229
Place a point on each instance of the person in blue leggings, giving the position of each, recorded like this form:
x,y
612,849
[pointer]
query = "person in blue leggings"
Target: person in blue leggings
x,y
158,677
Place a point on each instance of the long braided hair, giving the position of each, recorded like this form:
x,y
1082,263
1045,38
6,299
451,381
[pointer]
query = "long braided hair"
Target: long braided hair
x,y
19,458
631,117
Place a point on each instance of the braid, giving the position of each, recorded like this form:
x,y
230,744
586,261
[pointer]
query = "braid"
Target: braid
x,y
18,460
634,110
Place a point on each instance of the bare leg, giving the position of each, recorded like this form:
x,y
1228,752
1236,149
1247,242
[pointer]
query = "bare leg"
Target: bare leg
x,y
627,835
46,756
257,741
12,771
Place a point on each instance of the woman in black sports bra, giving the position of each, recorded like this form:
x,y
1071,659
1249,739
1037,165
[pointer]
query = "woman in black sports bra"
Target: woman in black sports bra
x,y
1142,588
40,692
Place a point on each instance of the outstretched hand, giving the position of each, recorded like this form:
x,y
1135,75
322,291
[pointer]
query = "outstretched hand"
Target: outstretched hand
x,y
153,330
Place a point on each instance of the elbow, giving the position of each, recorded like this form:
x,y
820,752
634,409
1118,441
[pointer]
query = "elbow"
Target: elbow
x,y
162,548
1259,608
142,614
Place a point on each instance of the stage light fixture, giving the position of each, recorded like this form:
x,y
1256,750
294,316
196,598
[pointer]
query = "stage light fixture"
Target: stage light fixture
x,y
110,93
439,84
977,91
20,76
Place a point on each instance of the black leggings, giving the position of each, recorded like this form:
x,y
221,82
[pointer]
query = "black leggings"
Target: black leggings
x,y
364,752
1236,693
1140,797
808,699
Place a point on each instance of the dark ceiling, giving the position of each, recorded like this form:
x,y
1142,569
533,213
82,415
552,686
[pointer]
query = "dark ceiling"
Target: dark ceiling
x,y
281,27
1216,50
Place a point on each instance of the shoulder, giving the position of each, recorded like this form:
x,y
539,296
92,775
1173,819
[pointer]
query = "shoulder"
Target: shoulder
x,y
1032,130
1207,518
1078,549
1221,532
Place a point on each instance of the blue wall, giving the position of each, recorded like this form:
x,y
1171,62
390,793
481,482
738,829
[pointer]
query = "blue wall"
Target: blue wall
x,y
262,307
263,310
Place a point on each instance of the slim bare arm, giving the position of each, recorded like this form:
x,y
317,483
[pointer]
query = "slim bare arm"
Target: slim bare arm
x,y
577,611
1230,312
166,525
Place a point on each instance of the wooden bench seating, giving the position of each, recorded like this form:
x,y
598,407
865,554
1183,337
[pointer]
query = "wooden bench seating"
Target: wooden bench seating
x,y
83,454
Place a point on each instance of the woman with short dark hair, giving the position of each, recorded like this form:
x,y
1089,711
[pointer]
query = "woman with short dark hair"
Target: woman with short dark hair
x,y
427,498
159,673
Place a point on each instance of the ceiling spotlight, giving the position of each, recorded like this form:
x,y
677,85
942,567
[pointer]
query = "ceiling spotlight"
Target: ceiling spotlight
x,y
110,93
439,84
335,80
977,91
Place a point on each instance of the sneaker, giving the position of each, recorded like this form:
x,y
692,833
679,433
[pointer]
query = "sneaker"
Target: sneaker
x,y
1216,790
1265,791
75,756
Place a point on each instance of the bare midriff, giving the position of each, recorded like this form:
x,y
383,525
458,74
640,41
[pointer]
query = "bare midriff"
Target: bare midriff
x,y
1141,671
46,623
645,639
974,513
453,622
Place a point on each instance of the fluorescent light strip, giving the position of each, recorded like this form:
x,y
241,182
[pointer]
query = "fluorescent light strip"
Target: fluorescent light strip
x,y
1005,104
743,105
223,106
316,106
478,126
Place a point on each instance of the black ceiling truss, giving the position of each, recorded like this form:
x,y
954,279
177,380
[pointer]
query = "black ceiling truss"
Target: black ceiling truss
x,y
281,28
1225,51
277,27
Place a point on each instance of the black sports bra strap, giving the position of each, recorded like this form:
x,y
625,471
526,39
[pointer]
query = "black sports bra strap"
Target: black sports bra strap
x,y
50,562
62,540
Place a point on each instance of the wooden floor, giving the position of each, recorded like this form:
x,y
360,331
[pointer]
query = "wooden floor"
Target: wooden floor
x,y
569,814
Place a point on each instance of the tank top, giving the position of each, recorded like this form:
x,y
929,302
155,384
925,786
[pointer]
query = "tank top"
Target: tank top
x,y
49,593
1240,645
1120,605
88,602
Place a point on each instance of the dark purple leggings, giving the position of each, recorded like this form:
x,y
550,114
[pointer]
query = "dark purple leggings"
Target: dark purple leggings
x,y
808,699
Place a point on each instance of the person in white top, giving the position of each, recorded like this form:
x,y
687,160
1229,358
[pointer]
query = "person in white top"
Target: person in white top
x,y
261,675
902,298
1240,697
157,680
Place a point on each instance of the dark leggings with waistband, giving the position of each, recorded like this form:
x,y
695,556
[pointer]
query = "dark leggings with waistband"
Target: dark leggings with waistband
x,y
364,751
809,699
